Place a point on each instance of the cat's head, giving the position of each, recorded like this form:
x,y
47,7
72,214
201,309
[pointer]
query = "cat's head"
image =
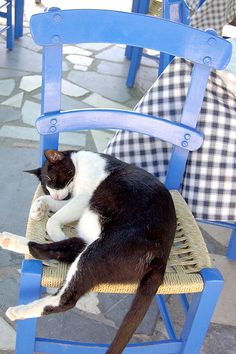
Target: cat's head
x,y
57,174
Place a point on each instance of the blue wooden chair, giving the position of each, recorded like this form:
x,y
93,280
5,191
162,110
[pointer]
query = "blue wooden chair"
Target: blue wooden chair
x,y
189,269
6,13
181,13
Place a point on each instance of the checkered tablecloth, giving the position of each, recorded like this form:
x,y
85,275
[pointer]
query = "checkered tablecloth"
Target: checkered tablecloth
x,y
209,184
212,14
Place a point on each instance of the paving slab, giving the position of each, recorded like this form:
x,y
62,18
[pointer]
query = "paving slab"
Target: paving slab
x,y
6,87
17,187
9,114
72,90
101,139
28,42
9,288
30,82
114,69
75,325
94,46
7,336
111,87
14,101
226,308
219,234
8,73
115,53
220,340
69,49
21,59
30,112
99,101
79,59
118,310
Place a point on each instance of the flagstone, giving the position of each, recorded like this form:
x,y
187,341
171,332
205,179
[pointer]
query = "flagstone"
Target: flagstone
x,y
99,101
89,303
30,112
111,87
27,42
11,73
226,307
73,139
72,103
80,67
26,133
21,59
116,69
79,59
114,53
94,46
72,90
76,50
9,114
101,139
31,82
7,336
14,101
219,234
17,132
6,87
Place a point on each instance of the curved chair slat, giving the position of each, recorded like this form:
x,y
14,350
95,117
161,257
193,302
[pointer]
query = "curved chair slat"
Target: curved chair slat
x,y
132,29
175,133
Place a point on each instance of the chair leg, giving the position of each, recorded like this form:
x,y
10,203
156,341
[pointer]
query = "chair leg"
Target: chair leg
x,y
10,30
134,65
231,250
19,15
200,311
128,50
30,290
165,60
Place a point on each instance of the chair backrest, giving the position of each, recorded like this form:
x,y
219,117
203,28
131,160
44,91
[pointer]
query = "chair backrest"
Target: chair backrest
x,y
206,50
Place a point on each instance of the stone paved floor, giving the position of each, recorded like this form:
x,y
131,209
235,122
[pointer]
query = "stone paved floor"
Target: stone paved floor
x,y
93,76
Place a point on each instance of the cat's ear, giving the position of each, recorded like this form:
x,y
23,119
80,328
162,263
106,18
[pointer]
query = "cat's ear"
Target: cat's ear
x,y
53,155
36,172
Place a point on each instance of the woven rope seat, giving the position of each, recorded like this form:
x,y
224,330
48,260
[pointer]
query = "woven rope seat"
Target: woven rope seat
x,y
188,255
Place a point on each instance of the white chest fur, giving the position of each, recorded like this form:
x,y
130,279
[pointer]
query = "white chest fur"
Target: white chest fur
x,y
90,172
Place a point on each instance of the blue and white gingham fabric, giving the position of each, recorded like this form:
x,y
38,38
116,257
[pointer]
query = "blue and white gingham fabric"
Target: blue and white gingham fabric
x,y
209,184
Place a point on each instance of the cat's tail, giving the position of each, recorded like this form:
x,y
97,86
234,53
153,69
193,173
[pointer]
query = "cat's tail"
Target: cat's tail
x,y
145,293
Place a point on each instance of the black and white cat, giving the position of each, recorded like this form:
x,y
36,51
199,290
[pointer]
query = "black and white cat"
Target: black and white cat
x,y
126,227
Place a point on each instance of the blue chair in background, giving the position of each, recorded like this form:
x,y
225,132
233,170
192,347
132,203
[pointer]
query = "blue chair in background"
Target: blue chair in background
x,y
175,10
189,269
6,13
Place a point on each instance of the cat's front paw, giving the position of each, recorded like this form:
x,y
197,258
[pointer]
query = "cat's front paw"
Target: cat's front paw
x,y
38,209
54,231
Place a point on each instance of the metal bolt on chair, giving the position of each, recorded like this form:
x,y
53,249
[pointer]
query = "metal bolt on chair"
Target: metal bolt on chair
x,y
9,28
189,268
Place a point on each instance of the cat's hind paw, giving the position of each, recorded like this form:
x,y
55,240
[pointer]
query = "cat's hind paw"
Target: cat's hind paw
x,y
16,313
14,243
38,209
10,313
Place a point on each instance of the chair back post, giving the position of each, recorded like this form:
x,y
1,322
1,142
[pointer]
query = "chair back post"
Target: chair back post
x,y
51,90
190,114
